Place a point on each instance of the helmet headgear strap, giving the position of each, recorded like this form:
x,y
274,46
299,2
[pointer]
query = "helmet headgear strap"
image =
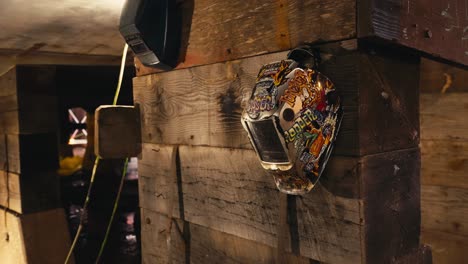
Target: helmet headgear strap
x,y
306,57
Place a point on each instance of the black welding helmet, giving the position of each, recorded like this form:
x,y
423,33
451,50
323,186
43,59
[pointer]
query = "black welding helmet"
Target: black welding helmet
x,y
292,119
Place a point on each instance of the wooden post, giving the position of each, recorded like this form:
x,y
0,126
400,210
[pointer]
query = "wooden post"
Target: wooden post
x,y
32,227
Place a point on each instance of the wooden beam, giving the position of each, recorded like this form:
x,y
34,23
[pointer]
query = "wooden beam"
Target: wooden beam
x,y
437,28
29,153
221,31
204,245
446,248
422,255
28,100
238,197
366,211
203,105
391,204
444,209
39,237
444,161
443,116
117,132
439,78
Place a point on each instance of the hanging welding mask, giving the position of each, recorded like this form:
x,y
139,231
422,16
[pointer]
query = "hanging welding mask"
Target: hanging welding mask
x,y
292,119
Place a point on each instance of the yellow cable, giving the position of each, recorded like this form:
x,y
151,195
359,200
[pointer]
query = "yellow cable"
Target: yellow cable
x,y
96,163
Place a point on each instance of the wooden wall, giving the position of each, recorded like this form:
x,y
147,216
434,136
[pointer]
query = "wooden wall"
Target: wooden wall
x,y
444,170
198,171
198,168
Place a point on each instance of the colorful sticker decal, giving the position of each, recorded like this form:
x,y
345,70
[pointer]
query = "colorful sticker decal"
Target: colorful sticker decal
x,y
265,95
307,110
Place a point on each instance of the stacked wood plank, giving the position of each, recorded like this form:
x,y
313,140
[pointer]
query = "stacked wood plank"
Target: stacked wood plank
x,y
444,174
33,231
199,174
28,139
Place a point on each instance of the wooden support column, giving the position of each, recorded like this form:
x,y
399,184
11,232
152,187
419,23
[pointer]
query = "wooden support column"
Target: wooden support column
x,y
367,208
33,225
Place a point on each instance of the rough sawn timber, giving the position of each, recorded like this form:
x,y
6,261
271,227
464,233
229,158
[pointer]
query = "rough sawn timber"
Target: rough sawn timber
x,y
228,30
227,190
204,245
203,105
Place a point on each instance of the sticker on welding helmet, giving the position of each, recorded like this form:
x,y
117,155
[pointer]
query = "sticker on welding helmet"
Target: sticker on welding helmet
x,y
312,132
306,111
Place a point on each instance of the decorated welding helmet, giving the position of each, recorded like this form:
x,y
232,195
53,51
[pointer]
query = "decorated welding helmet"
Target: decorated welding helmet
x,y
292,119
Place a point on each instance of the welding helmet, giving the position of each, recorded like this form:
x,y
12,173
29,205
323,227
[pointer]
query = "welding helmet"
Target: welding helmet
x,y
292,118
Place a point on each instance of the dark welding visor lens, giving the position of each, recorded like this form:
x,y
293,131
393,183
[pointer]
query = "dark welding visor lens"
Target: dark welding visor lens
x,y
265,137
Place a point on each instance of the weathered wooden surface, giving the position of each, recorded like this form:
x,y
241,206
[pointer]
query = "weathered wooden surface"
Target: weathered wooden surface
x,y
436,27
204,245
445,209
222,31
29,238
421,255
12,248
446,248
388,101
29,153
391,204
444,116
442,78
203,105
10,191
29,192
117,132
28,102
28,139
444,148
227,190
444,161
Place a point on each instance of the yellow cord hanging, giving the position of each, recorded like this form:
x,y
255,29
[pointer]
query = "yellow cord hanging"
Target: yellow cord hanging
x,y
93,174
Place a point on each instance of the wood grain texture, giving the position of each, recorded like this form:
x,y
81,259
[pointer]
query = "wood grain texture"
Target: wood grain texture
x,y
34,238
388,100
8,83
436,77
12,251
203,105
444,162
199,106
421,255
437,28
446,248
391,204
444,209
10,197
205,245
117,132
45,236
29,153
443,116
28,102
228,191
222,31
28,164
